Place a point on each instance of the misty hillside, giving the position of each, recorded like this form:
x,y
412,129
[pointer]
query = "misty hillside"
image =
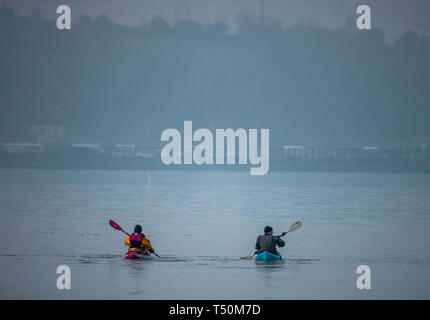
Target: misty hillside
x,y
115,84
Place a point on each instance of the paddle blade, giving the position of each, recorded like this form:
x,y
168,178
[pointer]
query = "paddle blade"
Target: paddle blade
x,y
247,257
114,225
250,256
295,226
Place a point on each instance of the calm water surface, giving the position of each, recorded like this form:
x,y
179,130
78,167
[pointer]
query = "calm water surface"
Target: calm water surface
x,y
202,222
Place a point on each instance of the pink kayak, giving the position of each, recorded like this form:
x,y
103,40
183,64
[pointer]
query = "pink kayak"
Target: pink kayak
x,y
136,255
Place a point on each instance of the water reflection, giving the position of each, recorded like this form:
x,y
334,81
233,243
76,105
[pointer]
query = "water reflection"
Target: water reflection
x,y
270,265
135,270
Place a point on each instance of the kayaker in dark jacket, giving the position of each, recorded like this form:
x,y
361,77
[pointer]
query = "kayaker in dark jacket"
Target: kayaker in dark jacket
x,y
268,241
138,242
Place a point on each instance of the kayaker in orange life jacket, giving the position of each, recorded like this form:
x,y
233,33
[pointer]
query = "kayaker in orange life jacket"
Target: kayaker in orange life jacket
x,y
138,242
268,241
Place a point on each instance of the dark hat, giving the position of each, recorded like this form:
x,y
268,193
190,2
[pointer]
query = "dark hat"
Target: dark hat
x,y
138,228
267,229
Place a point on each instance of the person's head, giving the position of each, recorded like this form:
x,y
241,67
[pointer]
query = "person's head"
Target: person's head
x,y
268,230
138,228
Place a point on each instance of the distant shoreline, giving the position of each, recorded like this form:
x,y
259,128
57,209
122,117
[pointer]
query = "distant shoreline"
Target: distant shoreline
x,y
103,162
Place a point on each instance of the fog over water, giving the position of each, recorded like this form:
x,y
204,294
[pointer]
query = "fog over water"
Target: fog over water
x,y
114,84
394,17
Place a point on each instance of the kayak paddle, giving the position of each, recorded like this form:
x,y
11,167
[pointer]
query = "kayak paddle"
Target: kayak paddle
x,y
116,226
155,254
250,256
295,226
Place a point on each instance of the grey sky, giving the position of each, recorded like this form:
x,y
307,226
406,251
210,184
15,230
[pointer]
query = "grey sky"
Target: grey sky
x,y
394,17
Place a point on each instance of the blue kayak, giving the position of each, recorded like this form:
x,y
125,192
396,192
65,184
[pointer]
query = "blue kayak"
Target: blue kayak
x,y
267,256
